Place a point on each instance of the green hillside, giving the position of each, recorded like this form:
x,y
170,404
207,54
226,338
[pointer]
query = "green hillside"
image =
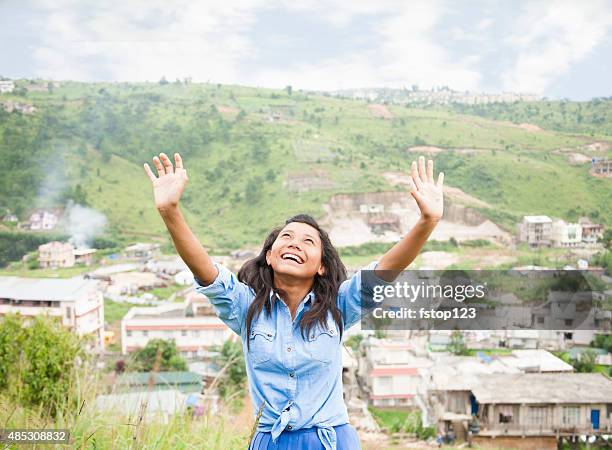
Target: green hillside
x,y
241,145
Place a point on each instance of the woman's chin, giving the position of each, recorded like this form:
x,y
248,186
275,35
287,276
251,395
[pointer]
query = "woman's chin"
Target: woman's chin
x,y
292,270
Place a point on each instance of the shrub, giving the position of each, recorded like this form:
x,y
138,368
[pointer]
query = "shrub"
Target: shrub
x,y
39,362
146,359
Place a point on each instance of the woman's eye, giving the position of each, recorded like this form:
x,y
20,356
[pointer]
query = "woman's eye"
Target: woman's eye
x,y
310,241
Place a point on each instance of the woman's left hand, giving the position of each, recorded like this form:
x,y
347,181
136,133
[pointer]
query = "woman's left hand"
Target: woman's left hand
x,y
427,194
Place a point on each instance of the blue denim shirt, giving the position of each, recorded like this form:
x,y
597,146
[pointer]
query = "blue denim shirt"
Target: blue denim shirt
x,y
299,380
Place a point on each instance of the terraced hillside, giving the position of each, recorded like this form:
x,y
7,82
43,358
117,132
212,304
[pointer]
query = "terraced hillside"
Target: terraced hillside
x,y
256,156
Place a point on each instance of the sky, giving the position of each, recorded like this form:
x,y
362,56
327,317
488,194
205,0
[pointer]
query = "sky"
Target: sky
x,y
559,49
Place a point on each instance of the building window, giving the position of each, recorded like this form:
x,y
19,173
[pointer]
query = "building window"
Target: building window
x,y
571,415
568,322
385,382
540,319
68,311
128,333
183,332
539,415
145,333
506,414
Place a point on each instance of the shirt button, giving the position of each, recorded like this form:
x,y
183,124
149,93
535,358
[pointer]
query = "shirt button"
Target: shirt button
x,y
288,349
289,427
292,374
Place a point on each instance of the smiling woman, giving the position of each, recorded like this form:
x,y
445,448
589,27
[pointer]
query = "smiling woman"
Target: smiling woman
x,y
290,305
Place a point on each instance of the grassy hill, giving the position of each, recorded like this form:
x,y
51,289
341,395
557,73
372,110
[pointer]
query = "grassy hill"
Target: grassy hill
x,y
242,145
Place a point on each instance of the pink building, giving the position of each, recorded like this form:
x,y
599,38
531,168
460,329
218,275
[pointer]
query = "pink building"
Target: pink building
x,y
190,325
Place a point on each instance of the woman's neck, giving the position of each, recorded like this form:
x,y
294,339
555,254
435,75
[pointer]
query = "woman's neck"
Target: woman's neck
x,y
296,290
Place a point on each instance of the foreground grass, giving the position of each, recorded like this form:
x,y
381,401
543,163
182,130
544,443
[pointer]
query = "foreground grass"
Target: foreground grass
x,y
92,429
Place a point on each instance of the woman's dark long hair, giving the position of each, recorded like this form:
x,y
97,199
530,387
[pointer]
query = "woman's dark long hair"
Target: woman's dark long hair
x,y
257,274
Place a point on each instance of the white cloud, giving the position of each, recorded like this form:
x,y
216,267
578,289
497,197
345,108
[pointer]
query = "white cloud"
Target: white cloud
x,y
134,41
551,38
407,52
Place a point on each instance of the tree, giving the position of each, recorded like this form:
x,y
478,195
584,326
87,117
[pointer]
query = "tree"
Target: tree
x,y
289,90
254,189
232,377
603,341
457,344
39,362
354,341
144,360
606,240
585,363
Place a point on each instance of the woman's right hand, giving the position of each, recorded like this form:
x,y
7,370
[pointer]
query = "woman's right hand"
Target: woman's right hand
x,y
170,184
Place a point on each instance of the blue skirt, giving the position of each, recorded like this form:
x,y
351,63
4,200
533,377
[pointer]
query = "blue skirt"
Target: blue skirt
x,y
306,439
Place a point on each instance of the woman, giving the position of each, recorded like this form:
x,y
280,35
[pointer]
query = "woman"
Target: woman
x,y
290,305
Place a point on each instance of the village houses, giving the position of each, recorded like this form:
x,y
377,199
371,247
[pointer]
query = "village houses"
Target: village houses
x,y
76,303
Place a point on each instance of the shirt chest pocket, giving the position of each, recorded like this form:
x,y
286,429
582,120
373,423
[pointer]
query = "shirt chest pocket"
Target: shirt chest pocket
x,y
322,342
261,344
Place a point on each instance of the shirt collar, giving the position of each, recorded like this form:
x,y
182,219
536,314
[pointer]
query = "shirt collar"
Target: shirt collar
x,y
306,301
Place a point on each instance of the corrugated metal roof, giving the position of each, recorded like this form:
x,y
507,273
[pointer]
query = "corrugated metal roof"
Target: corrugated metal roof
x,y
530,388
169,378
44,289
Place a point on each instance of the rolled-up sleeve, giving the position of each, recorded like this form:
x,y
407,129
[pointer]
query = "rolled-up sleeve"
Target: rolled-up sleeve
x,y
351,295
230,297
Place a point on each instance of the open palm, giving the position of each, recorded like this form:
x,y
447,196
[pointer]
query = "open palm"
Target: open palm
x,y
170,183
427,194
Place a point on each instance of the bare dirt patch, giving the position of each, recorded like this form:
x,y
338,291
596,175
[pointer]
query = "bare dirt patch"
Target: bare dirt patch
x,y
438,260
308,181
454,193
380,111
348,219
530,127
576,159
228,110
597,147
461,197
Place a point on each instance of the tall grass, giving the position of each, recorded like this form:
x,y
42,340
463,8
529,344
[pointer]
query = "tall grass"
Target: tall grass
x,y
91,428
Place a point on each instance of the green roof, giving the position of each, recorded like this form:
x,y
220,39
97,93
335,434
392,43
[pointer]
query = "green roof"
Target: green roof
x,y
163,380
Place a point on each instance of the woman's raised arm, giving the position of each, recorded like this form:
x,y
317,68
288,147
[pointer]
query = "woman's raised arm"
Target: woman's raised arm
x,y
168,187
428,195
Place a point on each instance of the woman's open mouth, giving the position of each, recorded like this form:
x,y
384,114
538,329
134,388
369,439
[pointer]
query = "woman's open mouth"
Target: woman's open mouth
x,y
292,257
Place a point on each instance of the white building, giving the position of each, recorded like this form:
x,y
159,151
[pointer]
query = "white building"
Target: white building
x,y
6,86
56,254
189,324
76,302
43,220
390,372
142,250
566,234
536,231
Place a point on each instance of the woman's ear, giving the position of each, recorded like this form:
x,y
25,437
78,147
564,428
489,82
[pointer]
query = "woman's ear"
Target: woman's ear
x,y
321,270
268,257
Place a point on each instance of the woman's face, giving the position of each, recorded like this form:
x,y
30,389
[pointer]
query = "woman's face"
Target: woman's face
x,y
297,251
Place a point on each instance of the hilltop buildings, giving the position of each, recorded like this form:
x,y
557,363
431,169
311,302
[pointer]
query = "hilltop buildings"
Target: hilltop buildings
x,y
6,86
536,231
542,231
